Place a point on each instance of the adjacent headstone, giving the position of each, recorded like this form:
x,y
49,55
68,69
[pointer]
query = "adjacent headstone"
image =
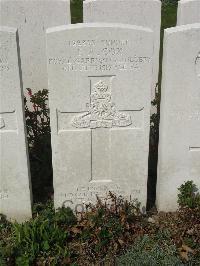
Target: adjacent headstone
x,y
15,195
179,147
145,13
32,18
188,12
100,82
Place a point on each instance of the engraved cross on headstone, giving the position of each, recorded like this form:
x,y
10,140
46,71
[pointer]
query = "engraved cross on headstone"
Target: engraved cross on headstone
x,y
102,116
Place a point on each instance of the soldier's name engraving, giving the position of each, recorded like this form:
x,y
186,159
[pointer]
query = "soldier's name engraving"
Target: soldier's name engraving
x,y
100,55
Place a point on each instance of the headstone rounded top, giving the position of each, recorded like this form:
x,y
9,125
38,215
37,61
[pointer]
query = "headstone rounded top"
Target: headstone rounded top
x,y
182,28
97,25
188,12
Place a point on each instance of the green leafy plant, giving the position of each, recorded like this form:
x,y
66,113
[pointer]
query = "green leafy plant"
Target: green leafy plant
x,y
189,195
5,246
39,143
37,116
43,237
76,11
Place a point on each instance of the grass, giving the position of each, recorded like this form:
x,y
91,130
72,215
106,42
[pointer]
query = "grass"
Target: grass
x,y
76,11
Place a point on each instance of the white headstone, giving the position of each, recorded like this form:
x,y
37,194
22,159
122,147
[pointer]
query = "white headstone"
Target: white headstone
x,y
15,195
32,18
100,82
179,147
145,13
188,12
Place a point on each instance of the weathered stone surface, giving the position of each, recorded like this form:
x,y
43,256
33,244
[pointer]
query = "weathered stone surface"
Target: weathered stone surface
x,y
188,12
179,148
15,195
32,18
145,13
100,82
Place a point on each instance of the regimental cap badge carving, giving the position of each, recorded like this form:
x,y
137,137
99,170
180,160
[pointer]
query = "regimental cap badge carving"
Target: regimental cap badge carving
x,y
101,111
101,86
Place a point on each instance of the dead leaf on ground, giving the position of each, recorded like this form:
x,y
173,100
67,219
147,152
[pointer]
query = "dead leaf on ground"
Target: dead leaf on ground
x,y
184,251
121,242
